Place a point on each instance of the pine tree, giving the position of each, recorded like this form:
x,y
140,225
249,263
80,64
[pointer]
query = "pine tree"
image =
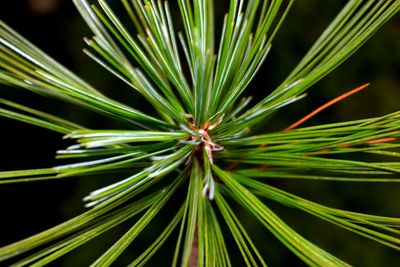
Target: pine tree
x,y
200,154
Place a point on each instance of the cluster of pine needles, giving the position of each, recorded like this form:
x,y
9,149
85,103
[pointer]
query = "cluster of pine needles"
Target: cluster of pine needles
x,y
199,148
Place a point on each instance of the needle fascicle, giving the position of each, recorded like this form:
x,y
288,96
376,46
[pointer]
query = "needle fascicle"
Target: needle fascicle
x,y
202,135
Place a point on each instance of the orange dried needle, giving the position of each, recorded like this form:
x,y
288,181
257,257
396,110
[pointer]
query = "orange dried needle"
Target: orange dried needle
x,y
382,140
330,103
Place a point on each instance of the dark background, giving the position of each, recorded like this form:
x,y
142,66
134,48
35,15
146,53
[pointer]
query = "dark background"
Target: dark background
x,y
55,26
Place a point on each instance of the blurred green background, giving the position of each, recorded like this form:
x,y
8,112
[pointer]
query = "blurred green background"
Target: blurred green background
x,y
55,26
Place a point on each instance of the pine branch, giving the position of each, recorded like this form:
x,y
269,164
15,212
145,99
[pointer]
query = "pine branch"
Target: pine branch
x,y
179,161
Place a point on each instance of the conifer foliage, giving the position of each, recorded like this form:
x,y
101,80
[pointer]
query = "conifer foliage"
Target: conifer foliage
x,y
199,148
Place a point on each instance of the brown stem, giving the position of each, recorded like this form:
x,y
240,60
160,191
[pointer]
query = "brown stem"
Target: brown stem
x,y
194,254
